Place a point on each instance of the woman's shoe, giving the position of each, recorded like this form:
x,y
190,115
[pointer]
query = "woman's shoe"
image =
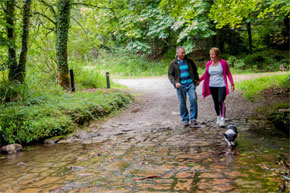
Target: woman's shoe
x,y
218,120
222,122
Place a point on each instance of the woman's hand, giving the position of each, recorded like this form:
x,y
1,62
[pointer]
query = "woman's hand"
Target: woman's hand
x,y
233,88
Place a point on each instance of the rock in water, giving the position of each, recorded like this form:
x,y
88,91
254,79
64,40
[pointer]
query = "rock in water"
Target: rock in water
x,y
11,149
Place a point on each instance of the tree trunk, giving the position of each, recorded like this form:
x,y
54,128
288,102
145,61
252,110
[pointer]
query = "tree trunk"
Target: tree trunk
x,y
250,37
63,18
286,32
25,32
12,62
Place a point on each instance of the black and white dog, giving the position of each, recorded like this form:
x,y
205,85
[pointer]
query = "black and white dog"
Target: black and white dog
x,y
231,134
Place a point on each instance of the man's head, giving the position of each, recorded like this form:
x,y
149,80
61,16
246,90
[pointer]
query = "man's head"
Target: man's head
x,y
180,52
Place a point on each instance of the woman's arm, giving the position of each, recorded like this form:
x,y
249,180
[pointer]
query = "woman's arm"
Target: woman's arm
x,y
205,72
229,74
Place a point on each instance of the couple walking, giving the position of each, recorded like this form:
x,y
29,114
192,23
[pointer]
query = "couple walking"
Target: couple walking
x,y
183,74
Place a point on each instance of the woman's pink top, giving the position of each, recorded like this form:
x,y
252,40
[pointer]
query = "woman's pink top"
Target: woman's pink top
x,y
205,77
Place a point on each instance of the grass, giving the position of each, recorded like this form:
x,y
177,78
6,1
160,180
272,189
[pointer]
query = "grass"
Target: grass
x,y
55,112
39,108
128,65
252,88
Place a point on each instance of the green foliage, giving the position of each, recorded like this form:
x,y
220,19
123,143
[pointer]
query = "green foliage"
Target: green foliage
x,y
138,46
268,60
275,7
53,112
191,19
252,88
24,124
129,64
236,63
11,92
231,12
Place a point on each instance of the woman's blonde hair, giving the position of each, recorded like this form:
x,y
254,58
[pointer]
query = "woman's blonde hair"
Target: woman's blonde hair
x,y
215,50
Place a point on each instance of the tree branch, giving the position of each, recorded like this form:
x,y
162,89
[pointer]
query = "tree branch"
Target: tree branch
x,y
49,6
89,5
43,15
95,6
81,27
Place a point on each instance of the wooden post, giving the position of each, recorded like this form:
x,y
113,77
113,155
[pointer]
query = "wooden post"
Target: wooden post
x,y
72,80
108,79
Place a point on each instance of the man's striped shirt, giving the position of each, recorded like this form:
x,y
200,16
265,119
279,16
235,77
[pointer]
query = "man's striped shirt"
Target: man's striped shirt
x,y
185,78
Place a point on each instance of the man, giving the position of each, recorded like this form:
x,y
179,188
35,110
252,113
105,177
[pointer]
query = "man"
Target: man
x,y
182,73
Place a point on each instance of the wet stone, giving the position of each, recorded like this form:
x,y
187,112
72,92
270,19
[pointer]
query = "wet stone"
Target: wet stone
x,y
164,181
183,185
198,168
222,187
11,149
204,185
47,180
76,168
52,188
248,184
185,175
31,190
210,175
220,181
167,167
168,175
68,140
233,174
52,141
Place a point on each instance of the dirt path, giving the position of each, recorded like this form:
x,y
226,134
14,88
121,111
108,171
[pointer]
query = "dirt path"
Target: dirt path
x,y
157,103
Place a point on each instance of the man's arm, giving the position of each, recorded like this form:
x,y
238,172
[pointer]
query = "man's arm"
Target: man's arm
x,y
171,74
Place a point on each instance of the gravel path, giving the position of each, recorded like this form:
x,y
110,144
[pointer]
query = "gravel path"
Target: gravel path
x,y
157,102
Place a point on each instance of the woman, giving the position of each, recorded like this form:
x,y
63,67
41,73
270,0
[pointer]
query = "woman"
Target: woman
x,y
215,83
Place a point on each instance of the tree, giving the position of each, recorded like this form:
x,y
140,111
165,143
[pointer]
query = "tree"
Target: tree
x,y
63,19
191,20
234,13
25,34
17,70
12,60
238,12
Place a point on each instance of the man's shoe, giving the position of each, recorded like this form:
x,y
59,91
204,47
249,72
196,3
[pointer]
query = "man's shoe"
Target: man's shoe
x,y
193,122
185,124
222,122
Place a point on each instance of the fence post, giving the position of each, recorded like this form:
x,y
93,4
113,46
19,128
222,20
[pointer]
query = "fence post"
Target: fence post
x,y
72,80
108,79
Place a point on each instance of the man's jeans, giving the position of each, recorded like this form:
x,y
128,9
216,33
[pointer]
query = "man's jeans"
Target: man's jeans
x,y
181,93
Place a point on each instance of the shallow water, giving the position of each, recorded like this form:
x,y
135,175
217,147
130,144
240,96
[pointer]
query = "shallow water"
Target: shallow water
x,y
168,160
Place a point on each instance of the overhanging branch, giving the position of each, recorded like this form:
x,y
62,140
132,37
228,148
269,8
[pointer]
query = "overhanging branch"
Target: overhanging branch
x,y
45,16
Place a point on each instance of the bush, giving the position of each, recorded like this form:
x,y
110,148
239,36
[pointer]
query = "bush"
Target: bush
x,y
54,112
268,60
24,124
